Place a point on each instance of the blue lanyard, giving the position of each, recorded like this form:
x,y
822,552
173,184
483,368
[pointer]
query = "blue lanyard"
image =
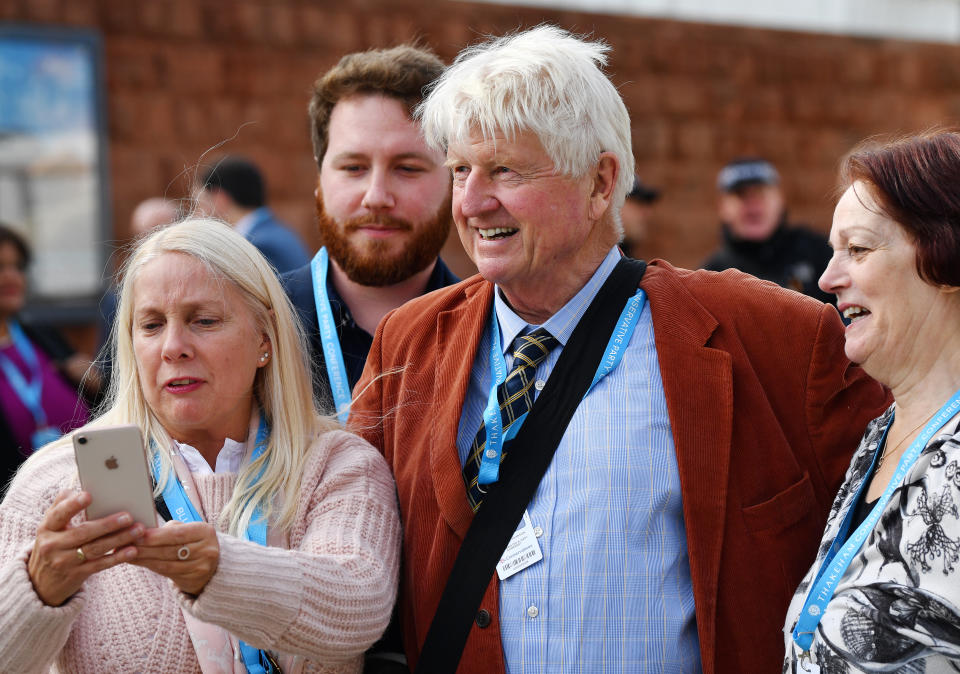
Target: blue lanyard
x,y
841,553
332,354
182,509
30,392
495,438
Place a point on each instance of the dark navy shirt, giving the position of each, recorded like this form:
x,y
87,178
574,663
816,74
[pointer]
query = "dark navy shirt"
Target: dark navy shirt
x,y
355,342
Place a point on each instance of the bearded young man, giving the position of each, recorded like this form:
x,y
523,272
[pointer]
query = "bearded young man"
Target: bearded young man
x,y
383,207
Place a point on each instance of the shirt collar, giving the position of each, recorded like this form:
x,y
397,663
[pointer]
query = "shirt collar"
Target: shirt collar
x,y
247,222
439,278
231,455
228,460
341,312
562,323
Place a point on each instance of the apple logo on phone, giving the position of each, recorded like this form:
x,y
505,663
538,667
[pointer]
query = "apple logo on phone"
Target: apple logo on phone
x,y
111,463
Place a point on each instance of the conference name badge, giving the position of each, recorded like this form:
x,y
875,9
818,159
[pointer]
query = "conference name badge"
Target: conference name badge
x,y
522,551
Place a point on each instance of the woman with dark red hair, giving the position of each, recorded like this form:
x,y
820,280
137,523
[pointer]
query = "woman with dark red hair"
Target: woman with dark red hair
x,y
884,592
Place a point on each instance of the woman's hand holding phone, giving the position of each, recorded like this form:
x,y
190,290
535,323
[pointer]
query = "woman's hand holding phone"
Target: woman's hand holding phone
x,y
64,556
186,553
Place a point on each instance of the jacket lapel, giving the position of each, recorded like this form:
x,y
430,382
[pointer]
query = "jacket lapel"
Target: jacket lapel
x,y
698,385
458,336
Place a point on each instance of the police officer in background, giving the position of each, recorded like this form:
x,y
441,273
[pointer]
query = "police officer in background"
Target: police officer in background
x,y
635,216
757,238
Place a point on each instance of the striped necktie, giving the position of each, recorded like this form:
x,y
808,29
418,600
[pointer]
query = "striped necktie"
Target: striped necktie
x,y
515,399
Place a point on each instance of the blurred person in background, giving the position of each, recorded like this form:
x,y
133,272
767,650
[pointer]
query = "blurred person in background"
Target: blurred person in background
x,y
152,213
383,207
884,592
233,190
40,375
284,540
635,217
148,215
757,238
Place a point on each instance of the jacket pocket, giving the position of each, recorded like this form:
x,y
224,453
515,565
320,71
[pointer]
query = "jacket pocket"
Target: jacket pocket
x,y
783,510
786,528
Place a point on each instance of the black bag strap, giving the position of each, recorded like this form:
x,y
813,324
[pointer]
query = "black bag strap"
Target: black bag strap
x,y
503,506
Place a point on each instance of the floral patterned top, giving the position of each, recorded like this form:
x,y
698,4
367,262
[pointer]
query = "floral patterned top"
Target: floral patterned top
x,y
897,606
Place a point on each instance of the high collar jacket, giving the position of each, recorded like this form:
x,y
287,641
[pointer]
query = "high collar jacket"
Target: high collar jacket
x,y
765,412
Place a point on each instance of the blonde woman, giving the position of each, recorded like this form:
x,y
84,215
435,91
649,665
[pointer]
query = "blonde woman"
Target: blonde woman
x,y
209,364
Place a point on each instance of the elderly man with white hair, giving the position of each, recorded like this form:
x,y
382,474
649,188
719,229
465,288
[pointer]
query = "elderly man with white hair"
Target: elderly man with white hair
x,y
601,465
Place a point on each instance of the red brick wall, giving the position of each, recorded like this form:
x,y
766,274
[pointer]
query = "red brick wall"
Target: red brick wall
x,y
185,75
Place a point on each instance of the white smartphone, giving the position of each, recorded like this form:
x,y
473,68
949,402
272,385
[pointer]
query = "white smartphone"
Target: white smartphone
x,y
113,468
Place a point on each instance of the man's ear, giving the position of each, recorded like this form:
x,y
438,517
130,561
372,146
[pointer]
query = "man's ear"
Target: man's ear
x,y
604,181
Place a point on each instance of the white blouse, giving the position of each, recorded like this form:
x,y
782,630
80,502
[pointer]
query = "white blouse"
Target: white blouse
x,y
229,459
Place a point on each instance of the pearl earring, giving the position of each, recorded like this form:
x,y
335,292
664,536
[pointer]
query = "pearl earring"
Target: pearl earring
x,y
263,358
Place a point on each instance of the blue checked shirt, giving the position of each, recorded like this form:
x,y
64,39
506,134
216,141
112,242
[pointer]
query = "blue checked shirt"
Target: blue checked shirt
x,y
613,591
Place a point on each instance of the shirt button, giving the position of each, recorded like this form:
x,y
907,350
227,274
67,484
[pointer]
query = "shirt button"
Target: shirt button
x,y
538,532
491,453
539,384
533,611
483,618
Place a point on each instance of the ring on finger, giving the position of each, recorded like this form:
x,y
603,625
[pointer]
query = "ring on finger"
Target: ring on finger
x,y
183,553
81,555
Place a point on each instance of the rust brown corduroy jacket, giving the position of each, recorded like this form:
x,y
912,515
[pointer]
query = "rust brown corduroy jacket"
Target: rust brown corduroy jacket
x,y
765,411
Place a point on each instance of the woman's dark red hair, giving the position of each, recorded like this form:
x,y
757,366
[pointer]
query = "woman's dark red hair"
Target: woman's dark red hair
x,y
916,182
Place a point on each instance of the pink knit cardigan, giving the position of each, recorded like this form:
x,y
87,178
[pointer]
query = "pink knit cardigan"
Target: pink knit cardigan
x,y
326,598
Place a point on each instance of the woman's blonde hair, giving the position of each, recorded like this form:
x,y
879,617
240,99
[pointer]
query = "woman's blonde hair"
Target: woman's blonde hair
x,y
282,388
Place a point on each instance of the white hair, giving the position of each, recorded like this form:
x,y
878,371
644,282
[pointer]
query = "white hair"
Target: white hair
x,y
282,388
546,81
